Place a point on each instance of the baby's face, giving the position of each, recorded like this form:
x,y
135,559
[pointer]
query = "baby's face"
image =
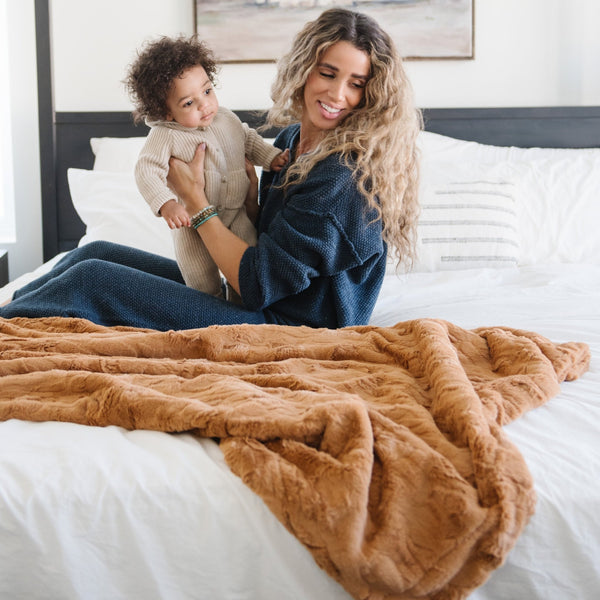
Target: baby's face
x,y
192,101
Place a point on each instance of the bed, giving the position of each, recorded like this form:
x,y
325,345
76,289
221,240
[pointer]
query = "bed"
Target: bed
x,y
113,512
115,509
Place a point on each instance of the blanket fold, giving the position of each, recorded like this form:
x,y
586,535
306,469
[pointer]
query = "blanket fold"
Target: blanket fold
x,y
380,449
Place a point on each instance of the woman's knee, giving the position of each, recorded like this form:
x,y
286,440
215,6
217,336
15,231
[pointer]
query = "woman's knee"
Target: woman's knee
x,y
88,270
97,249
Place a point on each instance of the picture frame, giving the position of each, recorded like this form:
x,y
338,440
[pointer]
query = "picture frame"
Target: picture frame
x,y
260,31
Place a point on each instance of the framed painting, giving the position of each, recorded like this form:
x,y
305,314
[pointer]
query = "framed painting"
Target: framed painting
x,y
262,30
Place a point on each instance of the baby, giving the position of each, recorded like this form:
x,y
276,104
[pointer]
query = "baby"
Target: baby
x,y
171,84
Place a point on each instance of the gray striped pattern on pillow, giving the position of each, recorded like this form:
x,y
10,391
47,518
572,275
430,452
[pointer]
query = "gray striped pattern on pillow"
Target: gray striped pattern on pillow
x,y
468,224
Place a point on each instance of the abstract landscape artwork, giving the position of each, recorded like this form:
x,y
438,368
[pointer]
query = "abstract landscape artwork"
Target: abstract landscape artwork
x,y
262,30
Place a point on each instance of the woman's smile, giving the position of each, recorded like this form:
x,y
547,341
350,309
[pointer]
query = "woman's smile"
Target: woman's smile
x,y
330,111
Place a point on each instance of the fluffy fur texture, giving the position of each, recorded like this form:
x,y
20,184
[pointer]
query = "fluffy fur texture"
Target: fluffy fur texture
x,y
381,449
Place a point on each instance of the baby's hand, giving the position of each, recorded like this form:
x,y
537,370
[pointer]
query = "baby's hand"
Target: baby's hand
x,y
280,160
174,214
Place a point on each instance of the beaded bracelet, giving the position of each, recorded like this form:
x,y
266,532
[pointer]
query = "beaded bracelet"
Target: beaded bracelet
x,y
203,215
196,225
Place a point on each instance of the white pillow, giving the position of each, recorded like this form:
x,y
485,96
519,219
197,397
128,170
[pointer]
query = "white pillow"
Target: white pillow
x,y
446,149
560,215
121,154
112,209
116,154
559,190
468,218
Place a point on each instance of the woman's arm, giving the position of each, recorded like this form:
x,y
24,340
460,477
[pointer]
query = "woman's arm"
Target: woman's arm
x,y
225,248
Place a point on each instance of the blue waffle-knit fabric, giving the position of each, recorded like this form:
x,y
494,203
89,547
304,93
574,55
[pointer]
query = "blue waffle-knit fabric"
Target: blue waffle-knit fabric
x,y
319,261
320,257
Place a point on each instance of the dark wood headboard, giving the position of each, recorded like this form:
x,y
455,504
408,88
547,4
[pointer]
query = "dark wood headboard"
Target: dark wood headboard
x,y
64,137
561,127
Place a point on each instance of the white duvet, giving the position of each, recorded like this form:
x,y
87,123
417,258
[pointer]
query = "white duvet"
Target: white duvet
x,y
90,512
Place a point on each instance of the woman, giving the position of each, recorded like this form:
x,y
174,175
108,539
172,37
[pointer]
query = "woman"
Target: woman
x,y
324,223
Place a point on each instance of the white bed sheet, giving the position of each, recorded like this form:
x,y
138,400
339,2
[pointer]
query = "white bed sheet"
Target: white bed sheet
x,y
558,555
89,512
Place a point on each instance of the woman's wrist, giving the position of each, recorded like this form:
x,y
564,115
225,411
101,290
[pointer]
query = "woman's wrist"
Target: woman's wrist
x,y
202,216
196,202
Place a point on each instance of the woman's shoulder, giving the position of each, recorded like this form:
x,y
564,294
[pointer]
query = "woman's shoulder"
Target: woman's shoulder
x,y
329,188
285,138
332,170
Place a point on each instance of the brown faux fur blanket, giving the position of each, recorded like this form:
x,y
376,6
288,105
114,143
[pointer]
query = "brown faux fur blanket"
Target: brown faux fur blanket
x,y
381,449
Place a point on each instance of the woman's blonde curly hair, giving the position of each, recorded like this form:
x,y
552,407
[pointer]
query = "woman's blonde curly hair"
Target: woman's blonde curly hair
x,y
377,139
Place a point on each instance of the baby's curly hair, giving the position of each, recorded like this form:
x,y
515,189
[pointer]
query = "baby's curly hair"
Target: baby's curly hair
x,y
158,64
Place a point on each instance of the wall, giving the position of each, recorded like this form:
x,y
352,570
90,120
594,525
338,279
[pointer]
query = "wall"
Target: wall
x,y
527,53
26,253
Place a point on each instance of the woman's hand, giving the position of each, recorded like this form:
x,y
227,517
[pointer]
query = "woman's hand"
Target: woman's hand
x,y
226,249
187,180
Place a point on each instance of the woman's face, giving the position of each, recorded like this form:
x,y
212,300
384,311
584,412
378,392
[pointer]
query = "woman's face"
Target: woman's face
x,y
334,87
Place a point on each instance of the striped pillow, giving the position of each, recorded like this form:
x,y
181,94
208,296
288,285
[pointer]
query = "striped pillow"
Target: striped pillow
x,y
468,221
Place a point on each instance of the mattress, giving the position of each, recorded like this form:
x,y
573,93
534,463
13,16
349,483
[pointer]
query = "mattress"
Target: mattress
x,y
89,512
